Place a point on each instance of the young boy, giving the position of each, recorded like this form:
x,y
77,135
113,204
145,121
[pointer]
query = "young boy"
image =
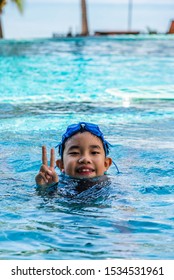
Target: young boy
x,y
83,154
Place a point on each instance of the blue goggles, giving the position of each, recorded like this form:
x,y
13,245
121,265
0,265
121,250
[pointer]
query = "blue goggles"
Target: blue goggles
x,y
80,127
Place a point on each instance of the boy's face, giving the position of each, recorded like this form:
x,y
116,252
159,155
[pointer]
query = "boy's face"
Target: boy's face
x,y
84,156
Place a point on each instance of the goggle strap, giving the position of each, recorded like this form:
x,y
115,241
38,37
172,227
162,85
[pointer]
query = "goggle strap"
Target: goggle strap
x,y
58,145
116,166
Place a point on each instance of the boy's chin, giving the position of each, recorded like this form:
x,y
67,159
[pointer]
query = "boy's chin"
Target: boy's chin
x,y
85,176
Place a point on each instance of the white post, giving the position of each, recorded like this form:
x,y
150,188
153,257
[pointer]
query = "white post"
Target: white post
x,y
130,14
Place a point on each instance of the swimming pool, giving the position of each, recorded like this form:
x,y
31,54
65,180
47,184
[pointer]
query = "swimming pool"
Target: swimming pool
x,y
126,85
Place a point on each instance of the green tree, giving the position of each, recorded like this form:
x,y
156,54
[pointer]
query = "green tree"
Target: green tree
x,y
20,6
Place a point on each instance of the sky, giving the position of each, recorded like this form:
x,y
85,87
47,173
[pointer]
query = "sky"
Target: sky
x,y
42,18
103,1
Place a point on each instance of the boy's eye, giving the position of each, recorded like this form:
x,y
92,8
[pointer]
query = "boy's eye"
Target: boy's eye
x,y
95,152
73,153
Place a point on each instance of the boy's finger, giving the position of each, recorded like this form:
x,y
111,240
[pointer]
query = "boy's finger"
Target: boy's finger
x,y
40,178
52,158
44,156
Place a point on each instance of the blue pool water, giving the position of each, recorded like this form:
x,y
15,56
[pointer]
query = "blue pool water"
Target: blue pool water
x,y
126,85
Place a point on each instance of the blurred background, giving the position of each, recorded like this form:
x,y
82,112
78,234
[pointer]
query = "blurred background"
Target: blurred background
x,y
42,18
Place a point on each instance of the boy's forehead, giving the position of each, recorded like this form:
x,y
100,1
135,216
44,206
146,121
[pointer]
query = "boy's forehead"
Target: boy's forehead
x,y
84,138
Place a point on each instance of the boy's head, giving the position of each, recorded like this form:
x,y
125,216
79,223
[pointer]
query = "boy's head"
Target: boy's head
x,y
84,151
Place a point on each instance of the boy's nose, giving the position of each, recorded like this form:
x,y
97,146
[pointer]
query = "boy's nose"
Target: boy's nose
x,y
85,159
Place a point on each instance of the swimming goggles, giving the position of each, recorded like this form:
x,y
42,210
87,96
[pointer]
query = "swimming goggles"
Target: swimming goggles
x,y
80,127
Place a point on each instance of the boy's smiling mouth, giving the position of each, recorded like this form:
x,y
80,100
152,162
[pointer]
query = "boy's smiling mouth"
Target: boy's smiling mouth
x,y
84,170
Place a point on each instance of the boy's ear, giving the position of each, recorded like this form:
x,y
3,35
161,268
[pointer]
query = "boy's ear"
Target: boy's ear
x,y
59,164
108,162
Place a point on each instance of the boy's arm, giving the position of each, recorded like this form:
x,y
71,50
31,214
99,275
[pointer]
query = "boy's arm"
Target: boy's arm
x,y
47,175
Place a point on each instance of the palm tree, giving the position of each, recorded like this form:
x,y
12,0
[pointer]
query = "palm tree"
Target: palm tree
x,y
20,6
85,31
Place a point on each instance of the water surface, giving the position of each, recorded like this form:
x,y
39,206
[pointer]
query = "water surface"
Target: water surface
x,y
125,84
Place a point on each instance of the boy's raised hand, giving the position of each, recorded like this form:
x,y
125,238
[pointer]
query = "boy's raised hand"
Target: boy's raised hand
x,y
47,175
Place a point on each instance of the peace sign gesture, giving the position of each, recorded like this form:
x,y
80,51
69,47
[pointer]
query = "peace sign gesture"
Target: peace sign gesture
x,y
47,175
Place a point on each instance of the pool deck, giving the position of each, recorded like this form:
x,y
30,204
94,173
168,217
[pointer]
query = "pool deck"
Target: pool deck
x,y
118,32
104,33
